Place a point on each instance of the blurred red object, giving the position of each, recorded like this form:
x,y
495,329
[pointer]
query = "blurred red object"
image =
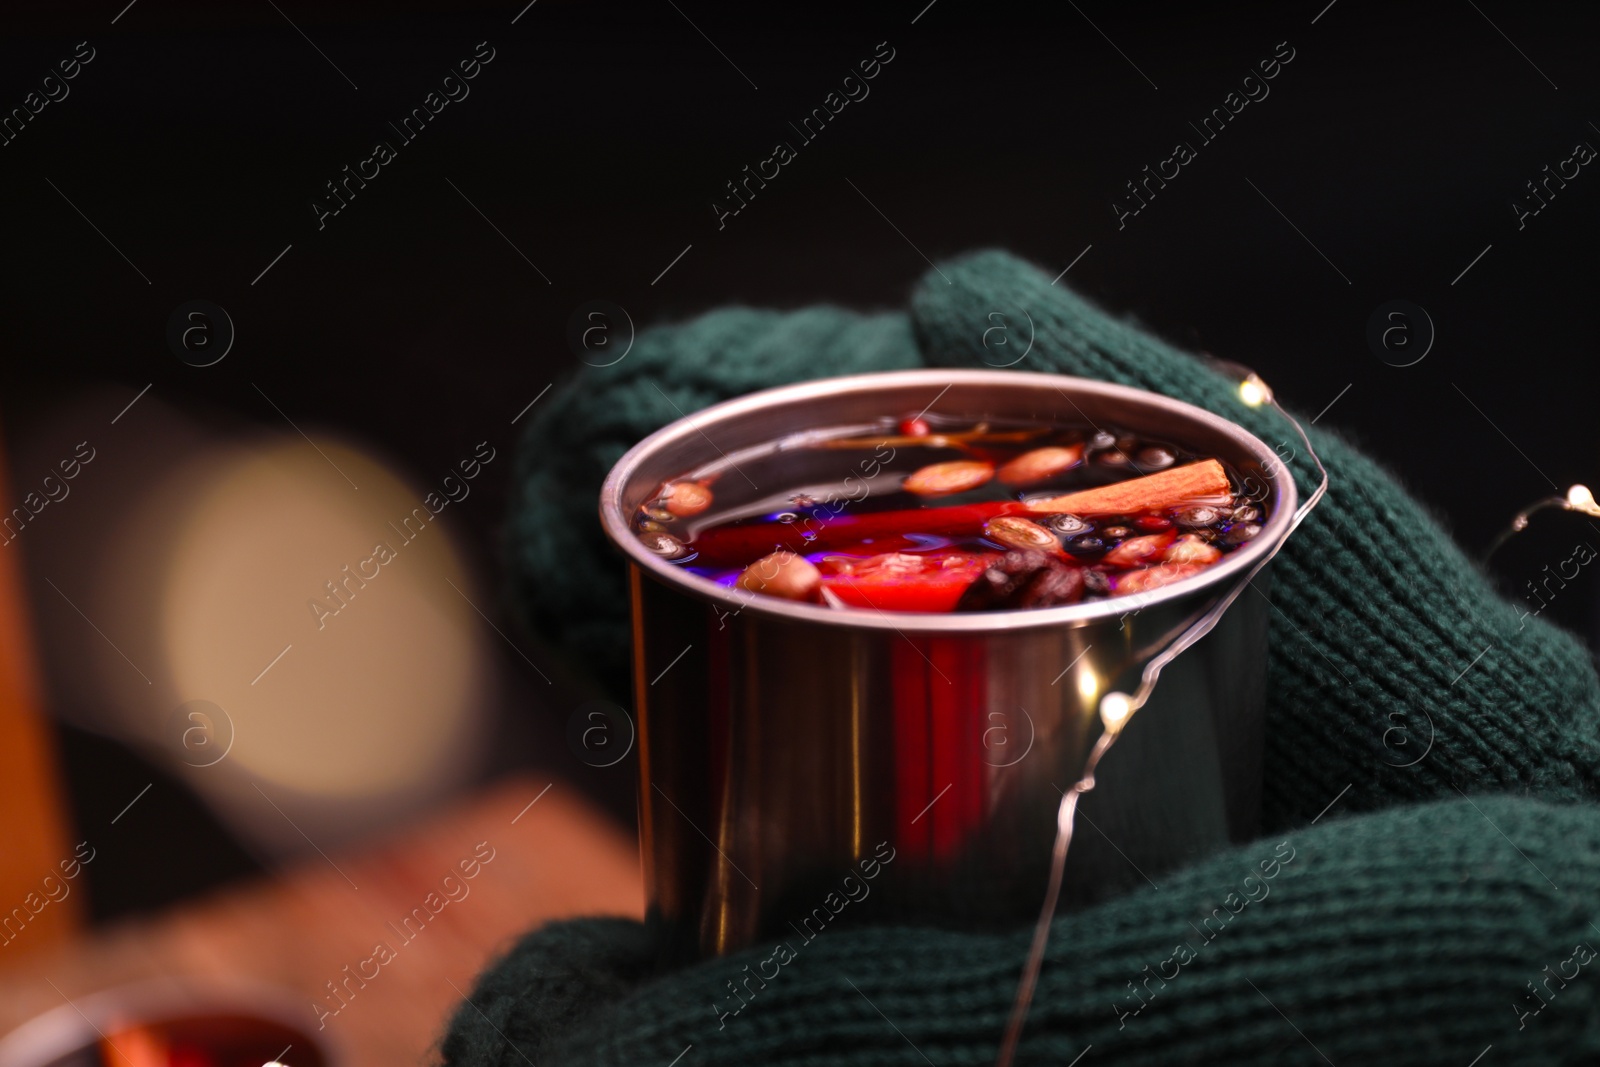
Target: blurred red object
x,y
33,824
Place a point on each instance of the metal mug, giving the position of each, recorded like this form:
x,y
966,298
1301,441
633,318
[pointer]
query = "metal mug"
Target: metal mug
x,y
802,765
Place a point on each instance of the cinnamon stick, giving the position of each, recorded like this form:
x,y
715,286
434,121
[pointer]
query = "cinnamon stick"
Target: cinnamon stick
x,y
1203,482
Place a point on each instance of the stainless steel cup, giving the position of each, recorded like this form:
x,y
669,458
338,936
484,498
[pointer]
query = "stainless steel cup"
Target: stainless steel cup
x,y
802,765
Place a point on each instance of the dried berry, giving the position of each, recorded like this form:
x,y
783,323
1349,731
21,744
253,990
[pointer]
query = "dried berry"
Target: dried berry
x,y
1116,533
1039,465
1096,583
1195,517
1067,526
686,498
1023,580
782,574
1057,585
1114,457
1152,523
1246,514
1240,532
1000,581
1013,531
956,476
656,513
1086,547
1154,459
1101,440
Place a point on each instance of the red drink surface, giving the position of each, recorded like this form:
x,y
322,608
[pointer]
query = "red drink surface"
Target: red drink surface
x,y
953,517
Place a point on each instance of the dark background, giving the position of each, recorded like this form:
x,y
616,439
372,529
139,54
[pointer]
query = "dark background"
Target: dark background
x,y
597,139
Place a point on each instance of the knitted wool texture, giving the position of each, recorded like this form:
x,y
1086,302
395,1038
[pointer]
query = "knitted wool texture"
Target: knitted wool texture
x,y
1406,935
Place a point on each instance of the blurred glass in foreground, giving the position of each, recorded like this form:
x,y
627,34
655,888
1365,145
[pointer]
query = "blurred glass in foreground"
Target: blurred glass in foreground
x,y
168,1025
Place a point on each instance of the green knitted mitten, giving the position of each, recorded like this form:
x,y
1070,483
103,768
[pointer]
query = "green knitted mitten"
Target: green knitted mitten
x,y
1381,621
1418,934
1406,937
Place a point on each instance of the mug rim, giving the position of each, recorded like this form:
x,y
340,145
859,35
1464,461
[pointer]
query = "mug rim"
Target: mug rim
x,y
615,519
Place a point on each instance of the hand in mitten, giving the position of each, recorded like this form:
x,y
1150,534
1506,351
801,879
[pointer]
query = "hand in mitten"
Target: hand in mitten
x,y
1381,621
1442,921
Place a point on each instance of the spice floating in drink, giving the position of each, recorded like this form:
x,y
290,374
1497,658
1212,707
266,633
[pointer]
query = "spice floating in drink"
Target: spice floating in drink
x,y
943,479
929,514
1040,465
683,499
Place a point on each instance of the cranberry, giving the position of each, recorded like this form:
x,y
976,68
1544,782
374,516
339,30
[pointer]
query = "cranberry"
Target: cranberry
x,y
915,427
1153,523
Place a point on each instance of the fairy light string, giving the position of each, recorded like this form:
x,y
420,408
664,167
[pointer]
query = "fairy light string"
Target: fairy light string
x,y
1578,499
1116,708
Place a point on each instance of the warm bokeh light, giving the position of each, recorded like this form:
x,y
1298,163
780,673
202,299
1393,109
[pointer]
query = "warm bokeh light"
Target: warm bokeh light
x,y
272,633
1254,392
1088,683
1114,711
372,691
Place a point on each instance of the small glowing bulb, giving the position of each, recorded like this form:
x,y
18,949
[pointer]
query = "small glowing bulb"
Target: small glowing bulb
x,y
1254,392
1580,499
1088,684
1114,711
